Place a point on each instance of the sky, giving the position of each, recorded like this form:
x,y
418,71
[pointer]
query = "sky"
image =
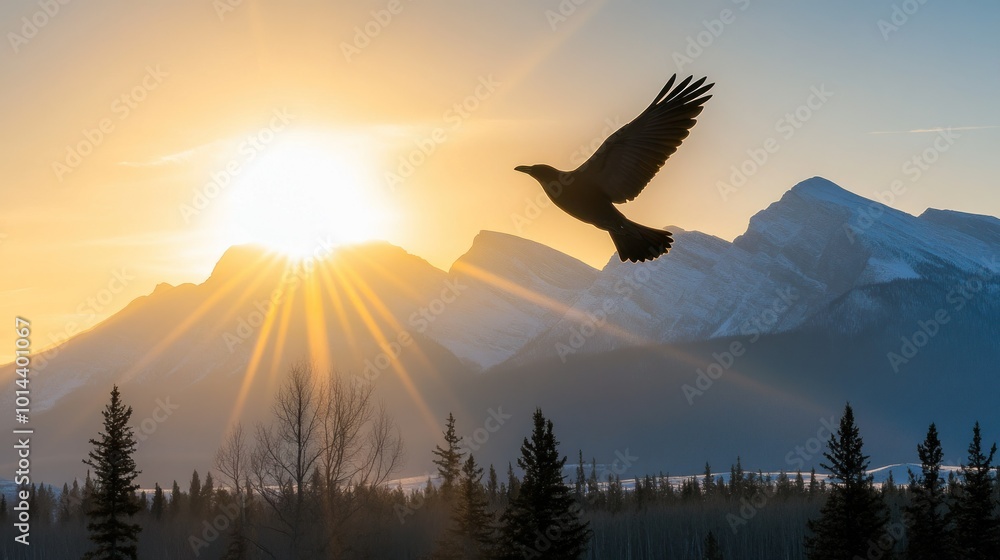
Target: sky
x,y
142,139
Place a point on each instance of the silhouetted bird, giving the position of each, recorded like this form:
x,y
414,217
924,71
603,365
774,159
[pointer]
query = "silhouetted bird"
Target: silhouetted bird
x,y
622,167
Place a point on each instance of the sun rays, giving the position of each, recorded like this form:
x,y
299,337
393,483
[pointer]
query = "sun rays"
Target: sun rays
x,y
342,310
334,300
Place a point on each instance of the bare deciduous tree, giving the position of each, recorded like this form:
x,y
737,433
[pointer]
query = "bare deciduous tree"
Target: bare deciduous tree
x,y
329,442
232,460
233,463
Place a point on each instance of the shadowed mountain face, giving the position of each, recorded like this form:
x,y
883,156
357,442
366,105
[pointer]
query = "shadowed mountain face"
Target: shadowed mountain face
x,y
827,297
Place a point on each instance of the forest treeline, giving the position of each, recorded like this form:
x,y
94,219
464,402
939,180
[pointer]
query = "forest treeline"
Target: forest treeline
x,y
314,483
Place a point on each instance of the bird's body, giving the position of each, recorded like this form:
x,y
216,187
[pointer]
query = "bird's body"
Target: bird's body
x,y
622,167
587,205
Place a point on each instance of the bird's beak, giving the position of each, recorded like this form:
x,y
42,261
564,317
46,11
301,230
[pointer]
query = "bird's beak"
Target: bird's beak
x,y
523,169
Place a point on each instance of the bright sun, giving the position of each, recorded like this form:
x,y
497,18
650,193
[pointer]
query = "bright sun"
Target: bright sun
x,y
304,192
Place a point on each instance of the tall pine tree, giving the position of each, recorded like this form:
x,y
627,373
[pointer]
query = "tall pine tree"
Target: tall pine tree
x,y
449,461
492,486
114,502
544,520
65,513
854,517
159,503
581,477
978,528
513,484
471,533
176,501
927,519
194,495
207,495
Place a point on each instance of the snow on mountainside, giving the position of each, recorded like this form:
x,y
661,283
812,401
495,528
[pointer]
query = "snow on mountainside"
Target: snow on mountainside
x,y
511,289
935,241
984,228
509,298
820,229
818,264
797,256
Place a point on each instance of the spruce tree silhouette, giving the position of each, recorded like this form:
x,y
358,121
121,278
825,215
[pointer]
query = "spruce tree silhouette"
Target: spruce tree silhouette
x,y
114,503
544,520
854,517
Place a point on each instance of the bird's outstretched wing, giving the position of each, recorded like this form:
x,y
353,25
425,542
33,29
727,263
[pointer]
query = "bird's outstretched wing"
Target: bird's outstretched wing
x,y
629,158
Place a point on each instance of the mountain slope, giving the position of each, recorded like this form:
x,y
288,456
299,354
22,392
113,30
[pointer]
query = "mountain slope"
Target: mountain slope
x,y
820,291
797,256
513,289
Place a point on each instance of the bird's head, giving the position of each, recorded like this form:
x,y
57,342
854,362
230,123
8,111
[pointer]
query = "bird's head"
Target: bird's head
x,y
540,172
550,178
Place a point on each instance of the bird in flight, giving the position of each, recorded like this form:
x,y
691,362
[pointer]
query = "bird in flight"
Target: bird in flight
x,y
623,165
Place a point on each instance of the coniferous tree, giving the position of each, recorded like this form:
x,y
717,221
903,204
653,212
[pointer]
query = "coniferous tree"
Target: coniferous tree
x,y
800,483
492,486
976,522
738,481
708,482
143,503
544,521
954,486
44,506
468,535
239,542
593,488
472,525
449,461
194,495
927,517
159,503
690,490
65,513
889,486
114,503
317,486
76,501
711,548
513,484
581,477
429,489
783,486
207,494
616,494
854,517
666,488
86,496
645,490
176,500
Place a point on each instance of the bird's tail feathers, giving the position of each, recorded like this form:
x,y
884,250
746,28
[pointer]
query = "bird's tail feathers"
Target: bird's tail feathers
x,y
638,243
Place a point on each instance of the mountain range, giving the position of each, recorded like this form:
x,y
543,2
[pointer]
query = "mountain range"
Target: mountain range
x,y
719,349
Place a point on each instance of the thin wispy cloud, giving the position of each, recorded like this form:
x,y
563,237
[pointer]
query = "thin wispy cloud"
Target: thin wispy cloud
x,y
143,239
938,129
177,158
